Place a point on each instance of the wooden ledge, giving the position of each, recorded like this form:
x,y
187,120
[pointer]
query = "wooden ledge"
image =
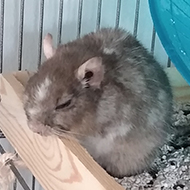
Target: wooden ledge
x,y
58,164
181,88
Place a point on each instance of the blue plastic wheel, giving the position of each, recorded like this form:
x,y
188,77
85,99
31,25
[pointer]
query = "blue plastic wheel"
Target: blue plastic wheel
x,y
171,20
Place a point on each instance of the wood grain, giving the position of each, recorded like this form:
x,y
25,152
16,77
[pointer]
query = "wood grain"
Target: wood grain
x,y
58,164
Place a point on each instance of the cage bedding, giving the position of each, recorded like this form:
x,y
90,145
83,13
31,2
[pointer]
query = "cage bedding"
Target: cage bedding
x,y
172,168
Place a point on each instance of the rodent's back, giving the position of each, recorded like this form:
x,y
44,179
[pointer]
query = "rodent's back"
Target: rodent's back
x,y
133,66
139,96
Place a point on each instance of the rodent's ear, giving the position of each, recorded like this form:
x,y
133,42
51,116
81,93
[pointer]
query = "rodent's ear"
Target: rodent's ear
x,y
91,73
48,48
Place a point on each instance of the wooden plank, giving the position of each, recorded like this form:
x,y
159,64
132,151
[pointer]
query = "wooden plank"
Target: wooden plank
x,y
22,76
181,88
58,164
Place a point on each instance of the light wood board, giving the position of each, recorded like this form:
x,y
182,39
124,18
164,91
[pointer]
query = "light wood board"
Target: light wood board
x,y
180,87
58,164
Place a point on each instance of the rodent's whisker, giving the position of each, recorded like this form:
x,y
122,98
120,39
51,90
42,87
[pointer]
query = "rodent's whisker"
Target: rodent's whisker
x,y
63,132
64,135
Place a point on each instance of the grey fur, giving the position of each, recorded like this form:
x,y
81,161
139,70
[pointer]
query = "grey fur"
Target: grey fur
x,y
122,124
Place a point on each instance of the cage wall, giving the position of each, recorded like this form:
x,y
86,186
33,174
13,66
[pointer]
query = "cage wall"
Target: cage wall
x,y
24,23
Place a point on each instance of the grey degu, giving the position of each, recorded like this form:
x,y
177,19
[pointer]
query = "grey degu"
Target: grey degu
x,y
107,91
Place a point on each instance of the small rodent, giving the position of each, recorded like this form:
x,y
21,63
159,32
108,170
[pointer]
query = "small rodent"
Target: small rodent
x,y
110,93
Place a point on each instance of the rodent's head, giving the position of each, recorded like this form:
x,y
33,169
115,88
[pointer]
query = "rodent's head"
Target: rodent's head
x,y
61,94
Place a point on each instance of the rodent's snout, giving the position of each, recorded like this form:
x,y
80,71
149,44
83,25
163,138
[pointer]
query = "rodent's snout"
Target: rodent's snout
x,y
39,128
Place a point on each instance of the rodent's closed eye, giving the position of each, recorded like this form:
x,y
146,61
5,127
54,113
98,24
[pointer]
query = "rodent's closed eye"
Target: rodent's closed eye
x,y
64,105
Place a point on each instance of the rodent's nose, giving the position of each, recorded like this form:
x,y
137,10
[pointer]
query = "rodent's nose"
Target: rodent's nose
x,y
48,120
38,127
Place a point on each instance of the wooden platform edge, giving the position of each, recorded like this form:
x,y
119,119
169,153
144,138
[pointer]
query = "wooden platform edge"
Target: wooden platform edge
x,y
180,87
58,164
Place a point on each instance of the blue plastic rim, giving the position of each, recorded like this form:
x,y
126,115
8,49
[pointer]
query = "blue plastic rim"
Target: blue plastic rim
x,y
171,20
